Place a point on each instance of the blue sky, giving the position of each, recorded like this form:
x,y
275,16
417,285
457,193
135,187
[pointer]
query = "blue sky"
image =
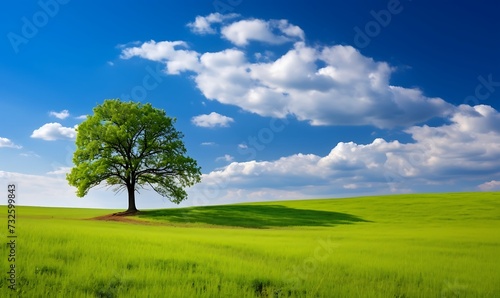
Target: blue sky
x,y
277,99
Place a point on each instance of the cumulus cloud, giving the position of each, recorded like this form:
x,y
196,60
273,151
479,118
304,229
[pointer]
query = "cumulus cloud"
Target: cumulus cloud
x,y
6,143
323,85
212,120
54,131
489,186
174,54
463,154
332,85
273,32
203,24
60,115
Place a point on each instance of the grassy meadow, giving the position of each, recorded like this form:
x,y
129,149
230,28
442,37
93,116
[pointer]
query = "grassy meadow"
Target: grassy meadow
x,y
418,245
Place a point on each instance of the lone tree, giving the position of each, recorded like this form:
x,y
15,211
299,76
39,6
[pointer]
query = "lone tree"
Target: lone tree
x,y
130,145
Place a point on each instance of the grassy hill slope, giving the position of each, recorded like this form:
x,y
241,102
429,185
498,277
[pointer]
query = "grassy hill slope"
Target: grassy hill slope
x,y
431,245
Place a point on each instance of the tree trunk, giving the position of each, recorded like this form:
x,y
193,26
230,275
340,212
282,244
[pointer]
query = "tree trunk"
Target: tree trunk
x,y
131,199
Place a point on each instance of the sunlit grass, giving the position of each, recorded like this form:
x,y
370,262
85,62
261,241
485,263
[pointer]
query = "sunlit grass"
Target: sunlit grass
x,y
439,245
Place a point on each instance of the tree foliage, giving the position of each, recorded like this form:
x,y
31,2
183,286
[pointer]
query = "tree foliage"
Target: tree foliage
x,y
132,145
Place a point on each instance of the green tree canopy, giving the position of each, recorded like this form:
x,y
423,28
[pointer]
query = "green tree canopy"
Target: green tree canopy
x,y
132,145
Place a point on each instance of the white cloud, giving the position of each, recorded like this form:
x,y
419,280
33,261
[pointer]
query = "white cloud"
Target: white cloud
x,y
323,85
458,156
36,190
274,32
212,120
171,53
208,144
29,154
489,186
469,145
6,143
54,191
54,131
226,158
128,44
60,115
81,117
350,90
60,171
203,25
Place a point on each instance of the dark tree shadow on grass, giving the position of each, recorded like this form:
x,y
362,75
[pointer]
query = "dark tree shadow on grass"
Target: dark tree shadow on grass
x,y
252,216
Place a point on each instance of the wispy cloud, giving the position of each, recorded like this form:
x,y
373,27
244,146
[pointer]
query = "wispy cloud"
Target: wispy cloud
x,y
29,154
208,143
60,115
60,171
226,158
7,143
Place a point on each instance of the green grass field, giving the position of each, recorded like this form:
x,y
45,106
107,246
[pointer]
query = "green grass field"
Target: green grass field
x,y
429,245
